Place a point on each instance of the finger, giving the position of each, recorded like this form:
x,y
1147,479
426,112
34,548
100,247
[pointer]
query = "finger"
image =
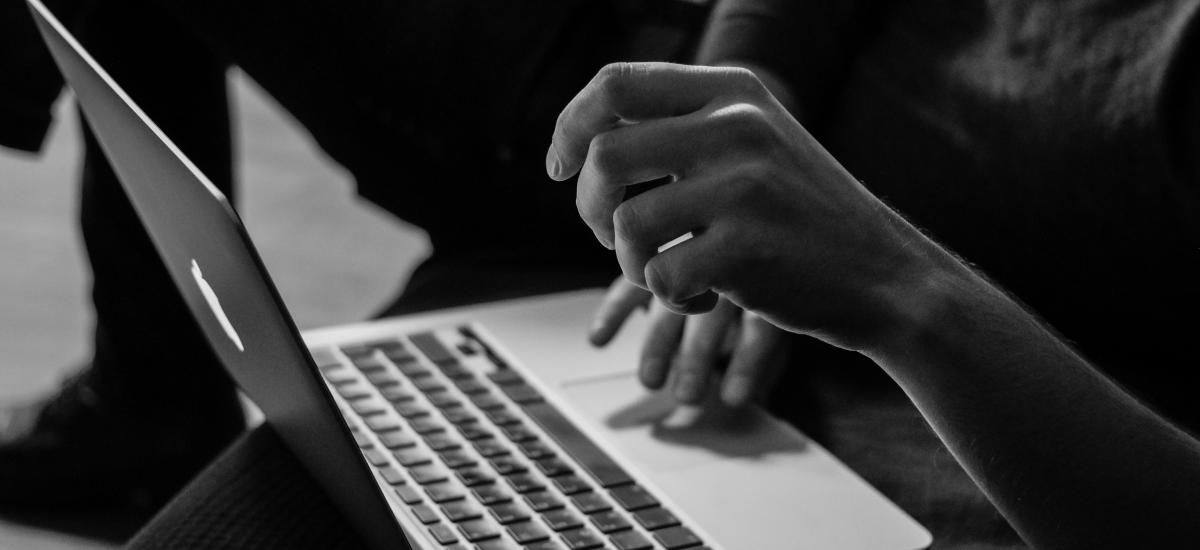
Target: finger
x,y
624,92
635,154
699,351
684,276
756,361
661,342
643,224
622,298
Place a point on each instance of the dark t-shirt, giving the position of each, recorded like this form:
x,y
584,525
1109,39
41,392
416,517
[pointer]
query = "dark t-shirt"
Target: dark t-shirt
x,y
1043,141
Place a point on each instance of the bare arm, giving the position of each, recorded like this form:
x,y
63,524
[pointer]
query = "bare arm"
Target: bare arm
x,y
782,230
1071,459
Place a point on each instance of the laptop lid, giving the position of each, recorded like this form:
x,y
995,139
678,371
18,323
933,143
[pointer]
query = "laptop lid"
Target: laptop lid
x,y
219,274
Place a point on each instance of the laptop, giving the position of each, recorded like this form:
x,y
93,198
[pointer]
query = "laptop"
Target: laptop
x,y
488,427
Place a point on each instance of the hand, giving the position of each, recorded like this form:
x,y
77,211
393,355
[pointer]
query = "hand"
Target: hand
x,y
779,227
737,350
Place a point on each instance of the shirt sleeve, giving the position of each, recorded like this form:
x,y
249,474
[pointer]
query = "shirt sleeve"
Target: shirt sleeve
x,y
29,80
809,44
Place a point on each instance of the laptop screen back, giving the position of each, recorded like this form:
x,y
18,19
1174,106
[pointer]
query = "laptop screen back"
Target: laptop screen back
x,y
219,274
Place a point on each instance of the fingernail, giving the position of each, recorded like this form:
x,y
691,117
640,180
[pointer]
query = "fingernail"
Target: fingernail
x,y
553,165
687,388
736,391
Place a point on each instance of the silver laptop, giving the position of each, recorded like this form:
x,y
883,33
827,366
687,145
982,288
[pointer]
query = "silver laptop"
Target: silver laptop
x,y
489,427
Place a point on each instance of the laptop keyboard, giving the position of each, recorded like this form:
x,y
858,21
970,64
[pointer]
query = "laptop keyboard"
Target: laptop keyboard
x,y
481,459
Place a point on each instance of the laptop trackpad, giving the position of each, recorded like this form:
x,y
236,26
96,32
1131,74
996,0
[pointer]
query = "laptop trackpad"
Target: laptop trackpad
x,y
660,435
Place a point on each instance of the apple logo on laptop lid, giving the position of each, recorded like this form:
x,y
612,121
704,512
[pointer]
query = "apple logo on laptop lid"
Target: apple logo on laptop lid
x,y
214,304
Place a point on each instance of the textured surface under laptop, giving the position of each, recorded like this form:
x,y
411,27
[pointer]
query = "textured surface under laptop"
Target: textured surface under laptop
x,y
481,459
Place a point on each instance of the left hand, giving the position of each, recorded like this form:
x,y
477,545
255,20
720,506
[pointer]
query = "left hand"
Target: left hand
x,y
736,350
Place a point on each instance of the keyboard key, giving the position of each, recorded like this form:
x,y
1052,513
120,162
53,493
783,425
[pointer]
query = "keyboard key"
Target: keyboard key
x,y
399,355
586,453
396,394
445,492
631,540
474,432
411,410
425,514
370,364
676,537
546,545
633,497
429,385
470,385
376,457
356,351
655,518
609,522
518,433
367,407
582,538
509,512
562,519
590,503
414,370
479,529
474,476
535,449
552,466
324,357
505,376
526,532
492,494
442,442
499,544
392,475
341,377
426,426
521,393
542,501
382,379
486,401
489,448
444,400
457,459
363,440
433,349
454,370
502,416
411,457
353,392
525,483
381,423
571,484
425,475
507,465
461,510
396,440
444,534
409,494
459,415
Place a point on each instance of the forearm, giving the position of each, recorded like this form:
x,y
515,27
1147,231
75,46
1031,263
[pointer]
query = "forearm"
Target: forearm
x,y
1069,458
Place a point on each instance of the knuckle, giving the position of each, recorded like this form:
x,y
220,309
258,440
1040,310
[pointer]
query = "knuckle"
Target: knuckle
x,y
746,82
628,222
746,122
613,80
603,150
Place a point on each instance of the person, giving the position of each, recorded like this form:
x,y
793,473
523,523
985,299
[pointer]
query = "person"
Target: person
x,y
154,406
778,227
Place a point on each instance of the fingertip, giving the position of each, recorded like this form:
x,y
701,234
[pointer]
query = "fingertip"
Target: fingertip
x,y
650,372
689,388
554,167
737,391
600,332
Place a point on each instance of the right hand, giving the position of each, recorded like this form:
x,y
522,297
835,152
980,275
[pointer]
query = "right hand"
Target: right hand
x,y
736,350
